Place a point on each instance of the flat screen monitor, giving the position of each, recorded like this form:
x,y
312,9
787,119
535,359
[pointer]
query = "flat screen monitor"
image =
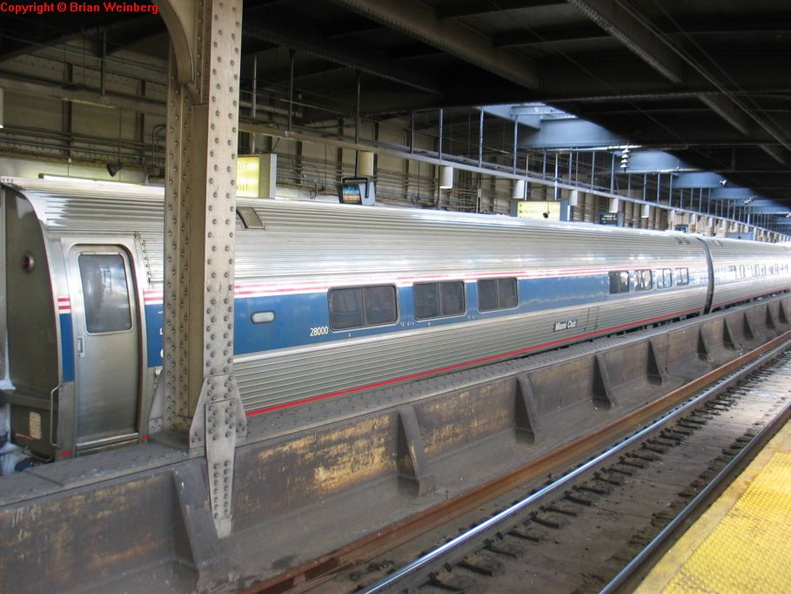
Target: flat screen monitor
x,y
357,190
351,193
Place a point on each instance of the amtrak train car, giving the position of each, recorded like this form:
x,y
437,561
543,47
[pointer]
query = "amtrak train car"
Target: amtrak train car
x,y
329,300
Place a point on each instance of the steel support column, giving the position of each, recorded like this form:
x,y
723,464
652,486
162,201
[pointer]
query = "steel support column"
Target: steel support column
x,y
201,397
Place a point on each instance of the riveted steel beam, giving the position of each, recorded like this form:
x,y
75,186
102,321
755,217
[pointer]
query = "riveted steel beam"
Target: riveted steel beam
x,y
645,40
419,21
776,153
634,35
180,18
728,111
201,396
471,8
281,29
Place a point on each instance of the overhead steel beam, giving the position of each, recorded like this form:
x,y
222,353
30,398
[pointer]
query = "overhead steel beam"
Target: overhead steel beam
x,y
634,35
419,21
644,39
470,8
776,153
522,37
301,36
728,111
86,95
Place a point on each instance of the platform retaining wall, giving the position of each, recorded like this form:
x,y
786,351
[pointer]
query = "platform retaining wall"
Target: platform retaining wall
x,y
113,521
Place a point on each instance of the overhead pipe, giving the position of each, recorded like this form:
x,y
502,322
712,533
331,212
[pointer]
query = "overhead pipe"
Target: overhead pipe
x,y
358,117
291,54
480,139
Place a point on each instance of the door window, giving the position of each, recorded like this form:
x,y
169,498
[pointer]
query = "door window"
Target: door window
x,y
105,293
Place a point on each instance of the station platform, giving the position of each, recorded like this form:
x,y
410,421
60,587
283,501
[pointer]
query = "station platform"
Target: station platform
x,y
742,543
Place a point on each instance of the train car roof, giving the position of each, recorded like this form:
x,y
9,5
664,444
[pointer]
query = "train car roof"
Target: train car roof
x,y
94,205
88,204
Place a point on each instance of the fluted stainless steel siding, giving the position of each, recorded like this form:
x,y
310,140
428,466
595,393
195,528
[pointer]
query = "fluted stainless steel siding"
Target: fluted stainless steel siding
x,y
340,245
281,377
733,252
319,241
323,245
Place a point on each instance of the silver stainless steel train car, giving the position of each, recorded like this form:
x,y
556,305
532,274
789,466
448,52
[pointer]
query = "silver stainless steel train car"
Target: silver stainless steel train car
x,y
329,299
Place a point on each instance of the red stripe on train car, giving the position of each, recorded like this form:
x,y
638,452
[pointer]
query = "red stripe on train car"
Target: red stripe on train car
x,y
458,366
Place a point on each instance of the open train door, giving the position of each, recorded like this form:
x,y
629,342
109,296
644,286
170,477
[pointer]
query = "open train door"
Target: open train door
x,y
106,346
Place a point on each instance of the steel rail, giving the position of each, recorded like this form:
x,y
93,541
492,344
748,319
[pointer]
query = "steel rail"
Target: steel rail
x,y
405,576
663,541
314,572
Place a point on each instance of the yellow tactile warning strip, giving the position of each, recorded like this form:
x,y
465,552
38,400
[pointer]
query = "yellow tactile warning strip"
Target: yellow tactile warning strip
x,y
743,542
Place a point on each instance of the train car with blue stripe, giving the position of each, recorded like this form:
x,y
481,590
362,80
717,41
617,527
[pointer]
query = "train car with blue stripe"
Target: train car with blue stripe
x,y
330,299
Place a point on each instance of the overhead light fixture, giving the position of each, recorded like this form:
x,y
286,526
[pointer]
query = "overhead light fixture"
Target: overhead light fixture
x,y
519,190
445,178
114,168
2,106
66,178
365,164
723,182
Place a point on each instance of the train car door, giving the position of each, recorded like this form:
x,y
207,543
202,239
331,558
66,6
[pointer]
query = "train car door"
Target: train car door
x,y
106,349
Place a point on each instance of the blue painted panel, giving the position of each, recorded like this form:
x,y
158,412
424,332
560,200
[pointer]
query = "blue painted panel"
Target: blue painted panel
x,y
154,333
67,346
295,316
303,319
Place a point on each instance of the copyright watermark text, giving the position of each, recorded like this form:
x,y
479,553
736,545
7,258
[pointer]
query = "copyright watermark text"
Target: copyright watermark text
x,y
39,8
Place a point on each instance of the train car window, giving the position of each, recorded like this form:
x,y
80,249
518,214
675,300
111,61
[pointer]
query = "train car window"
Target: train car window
x,y
435,300
380,305
105,293
682,276
346,308
452,298
643,280
619,282
664,278
358,307
508,292
497,293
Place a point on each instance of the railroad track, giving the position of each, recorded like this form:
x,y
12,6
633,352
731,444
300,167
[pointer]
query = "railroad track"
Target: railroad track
x,y
574,521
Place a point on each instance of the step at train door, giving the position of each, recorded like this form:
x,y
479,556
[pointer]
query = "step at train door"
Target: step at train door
x,y
106,346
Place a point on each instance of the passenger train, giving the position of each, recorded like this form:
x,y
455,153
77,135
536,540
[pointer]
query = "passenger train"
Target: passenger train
x,y
330,299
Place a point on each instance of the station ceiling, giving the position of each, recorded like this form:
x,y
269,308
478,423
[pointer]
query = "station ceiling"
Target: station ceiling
x,y
706,81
